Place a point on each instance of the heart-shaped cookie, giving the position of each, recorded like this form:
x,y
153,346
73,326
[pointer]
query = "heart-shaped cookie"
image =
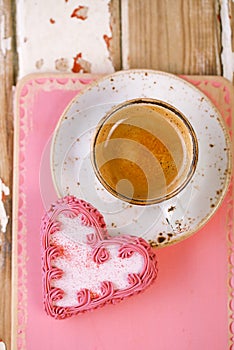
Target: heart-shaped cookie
x,y
85,268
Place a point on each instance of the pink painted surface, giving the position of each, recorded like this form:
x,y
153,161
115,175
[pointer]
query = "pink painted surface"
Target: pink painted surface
x,y
190,305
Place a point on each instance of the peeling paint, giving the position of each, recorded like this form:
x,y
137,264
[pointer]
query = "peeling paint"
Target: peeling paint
x,y
226,55
39,63
107,40
4,191
80,65
61,64
68,36
2,345
80,12
5,43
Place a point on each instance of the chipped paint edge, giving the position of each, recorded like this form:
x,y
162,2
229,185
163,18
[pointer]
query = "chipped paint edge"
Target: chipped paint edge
x,y
5,42
4,218
2,345
38,61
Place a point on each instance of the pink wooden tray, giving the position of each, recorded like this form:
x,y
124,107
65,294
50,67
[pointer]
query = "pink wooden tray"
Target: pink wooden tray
x,y
191,305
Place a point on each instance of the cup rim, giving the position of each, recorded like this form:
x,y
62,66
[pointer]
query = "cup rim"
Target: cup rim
x,y
193,164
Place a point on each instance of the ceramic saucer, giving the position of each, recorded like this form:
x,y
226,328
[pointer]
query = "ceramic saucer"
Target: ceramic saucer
x,y
174,219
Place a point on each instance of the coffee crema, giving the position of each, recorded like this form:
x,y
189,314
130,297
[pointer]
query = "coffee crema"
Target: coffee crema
x,y
144,151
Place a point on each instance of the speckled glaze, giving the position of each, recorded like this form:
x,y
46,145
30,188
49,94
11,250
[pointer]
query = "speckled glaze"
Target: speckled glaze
x,y
174,219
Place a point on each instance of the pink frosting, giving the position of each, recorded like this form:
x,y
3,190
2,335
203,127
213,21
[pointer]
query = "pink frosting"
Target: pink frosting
x,y
99,242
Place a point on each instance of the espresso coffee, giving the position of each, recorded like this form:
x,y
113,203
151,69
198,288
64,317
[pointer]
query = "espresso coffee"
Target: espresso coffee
x,y
144,151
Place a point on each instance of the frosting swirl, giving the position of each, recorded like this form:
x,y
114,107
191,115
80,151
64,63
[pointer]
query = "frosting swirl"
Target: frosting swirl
x,y
100,244
100,255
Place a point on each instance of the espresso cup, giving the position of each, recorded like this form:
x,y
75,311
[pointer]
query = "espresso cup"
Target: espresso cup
x,y
144,151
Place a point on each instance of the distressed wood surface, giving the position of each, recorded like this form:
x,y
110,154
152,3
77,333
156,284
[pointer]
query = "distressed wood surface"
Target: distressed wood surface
x,y
69,37
232,22
232,37
6,158
182,37
176,36
115,42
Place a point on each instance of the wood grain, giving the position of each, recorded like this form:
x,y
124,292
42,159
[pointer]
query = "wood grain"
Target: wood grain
x,y
6,158
115,43
231,14
181,37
